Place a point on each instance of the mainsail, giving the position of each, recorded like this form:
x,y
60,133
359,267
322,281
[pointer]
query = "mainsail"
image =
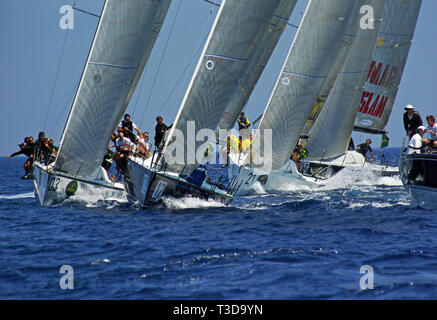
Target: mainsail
x,y
122,45
388,62
307,66
236,36
329,138
258,61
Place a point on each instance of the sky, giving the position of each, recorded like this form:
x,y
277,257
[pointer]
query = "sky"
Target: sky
x,y
41,65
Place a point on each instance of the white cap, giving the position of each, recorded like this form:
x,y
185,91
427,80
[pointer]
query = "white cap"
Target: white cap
x,y
421,128
409,107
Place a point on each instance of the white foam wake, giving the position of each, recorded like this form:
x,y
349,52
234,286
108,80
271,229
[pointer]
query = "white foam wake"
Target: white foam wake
x,y
355,177
191,203
18,196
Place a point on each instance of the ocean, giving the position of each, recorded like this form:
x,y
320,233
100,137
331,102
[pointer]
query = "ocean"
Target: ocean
x,y
360,237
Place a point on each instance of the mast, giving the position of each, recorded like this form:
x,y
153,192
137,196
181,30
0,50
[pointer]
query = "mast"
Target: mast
x,y
122,44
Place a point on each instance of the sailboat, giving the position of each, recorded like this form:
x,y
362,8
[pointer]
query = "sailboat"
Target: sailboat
x,y
305,70
122,44
363,95
229,66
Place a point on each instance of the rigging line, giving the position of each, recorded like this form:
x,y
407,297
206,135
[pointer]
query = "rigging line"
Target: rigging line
x,y
160,62
199,48
65,108
87,12
140,91
56,79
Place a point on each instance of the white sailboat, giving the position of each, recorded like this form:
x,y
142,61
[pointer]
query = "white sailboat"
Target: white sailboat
x,y
329,136
314,50
229,66
122,44
368,108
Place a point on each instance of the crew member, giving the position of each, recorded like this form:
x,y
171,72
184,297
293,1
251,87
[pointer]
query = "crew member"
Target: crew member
x,y
364,148
128,127
243,127
123,146
431,134
415,144
296,155
26,149
160,130
412,120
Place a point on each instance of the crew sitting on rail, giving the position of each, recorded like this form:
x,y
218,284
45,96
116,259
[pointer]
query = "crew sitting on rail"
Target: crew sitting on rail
x,y
430,139
143,149
122,148
415,144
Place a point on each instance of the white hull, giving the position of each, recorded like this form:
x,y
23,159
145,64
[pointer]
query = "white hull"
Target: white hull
x,y
319,171
286,179
53,188
418,174
146,185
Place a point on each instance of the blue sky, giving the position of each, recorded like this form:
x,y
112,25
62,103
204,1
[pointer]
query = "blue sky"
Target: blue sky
x,y
33,42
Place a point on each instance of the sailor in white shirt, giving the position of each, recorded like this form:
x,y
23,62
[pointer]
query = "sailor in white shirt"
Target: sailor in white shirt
x,y
430,138
415,143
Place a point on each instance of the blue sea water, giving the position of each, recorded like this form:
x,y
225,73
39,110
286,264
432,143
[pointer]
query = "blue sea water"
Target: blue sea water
x,y
287,245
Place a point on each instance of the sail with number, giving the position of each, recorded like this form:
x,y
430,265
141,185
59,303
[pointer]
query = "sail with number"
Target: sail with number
x,y
258,61
387,65
235,39
122,45
309,61
329,137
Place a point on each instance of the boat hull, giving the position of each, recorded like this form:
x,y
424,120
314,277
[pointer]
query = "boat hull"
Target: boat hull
x,y
419,177
146,187
52,188
321,170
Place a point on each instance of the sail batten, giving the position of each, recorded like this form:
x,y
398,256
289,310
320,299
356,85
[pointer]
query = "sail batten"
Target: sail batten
x,y
122,44
306,68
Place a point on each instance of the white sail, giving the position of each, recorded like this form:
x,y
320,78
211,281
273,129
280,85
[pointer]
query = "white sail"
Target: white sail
x,y
234,39
387,65
307,66
122,45
258,61
329,137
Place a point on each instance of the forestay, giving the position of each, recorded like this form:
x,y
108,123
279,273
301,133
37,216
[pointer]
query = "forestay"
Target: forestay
x,y
387,65
307,66
122,45
329,138
234,40
260,56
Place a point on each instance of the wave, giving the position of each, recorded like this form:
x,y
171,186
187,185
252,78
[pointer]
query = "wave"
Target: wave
x,y
191,203
18,196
